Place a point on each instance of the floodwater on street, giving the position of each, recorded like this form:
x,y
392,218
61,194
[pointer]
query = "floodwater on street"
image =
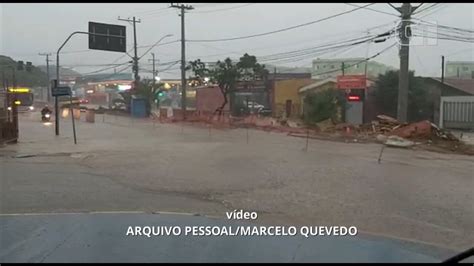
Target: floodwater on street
x,y
124,164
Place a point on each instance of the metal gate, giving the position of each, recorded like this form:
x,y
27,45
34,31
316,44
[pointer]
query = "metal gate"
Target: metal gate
x,y
457,112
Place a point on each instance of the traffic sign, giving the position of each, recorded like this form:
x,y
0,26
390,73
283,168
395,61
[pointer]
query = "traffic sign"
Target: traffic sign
x,y
107,37
61,91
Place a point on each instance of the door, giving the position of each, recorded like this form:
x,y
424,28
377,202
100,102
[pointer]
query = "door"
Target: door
x,y
288,108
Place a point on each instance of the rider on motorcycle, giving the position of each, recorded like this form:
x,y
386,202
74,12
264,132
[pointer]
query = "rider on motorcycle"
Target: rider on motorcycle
x,y
46,110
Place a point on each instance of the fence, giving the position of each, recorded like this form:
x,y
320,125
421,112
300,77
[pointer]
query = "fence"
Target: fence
x,y
457,112
8,120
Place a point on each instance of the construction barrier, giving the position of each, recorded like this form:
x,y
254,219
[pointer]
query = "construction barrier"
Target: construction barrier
x,y
90,116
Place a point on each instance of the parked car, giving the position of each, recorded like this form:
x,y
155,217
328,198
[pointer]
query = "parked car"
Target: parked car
x,y
254,105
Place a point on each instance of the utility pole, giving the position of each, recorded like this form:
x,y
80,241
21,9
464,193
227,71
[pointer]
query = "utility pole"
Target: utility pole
x,y
183,57
406,10
342,68
47,73
154,71
442,69
135,58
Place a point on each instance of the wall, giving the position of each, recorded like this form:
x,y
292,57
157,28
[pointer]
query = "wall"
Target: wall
x,y
284,90
208,99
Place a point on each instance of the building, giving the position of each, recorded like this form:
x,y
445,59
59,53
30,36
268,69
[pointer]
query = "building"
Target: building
x,y
459,69
331,68
285,98
209,98
461,116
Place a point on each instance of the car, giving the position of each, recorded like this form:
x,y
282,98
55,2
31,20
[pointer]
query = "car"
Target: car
x,y
254,105
83,108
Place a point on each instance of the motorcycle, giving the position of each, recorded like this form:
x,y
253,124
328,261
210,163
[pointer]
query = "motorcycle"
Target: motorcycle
x,y
46,117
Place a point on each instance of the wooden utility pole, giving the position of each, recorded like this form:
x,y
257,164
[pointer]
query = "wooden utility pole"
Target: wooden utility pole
x,y
154,71
442,69
183,56
406,10
135,57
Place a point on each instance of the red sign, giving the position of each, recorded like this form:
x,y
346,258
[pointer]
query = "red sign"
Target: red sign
x,y
353,98
351,82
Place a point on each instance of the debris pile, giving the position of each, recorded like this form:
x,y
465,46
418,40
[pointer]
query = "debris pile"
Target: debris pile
x,y
422,130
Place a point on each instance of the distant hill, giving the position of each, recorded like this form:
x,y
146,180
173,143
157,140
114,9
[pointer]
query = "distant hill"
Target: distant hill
x,y
65,73
23,78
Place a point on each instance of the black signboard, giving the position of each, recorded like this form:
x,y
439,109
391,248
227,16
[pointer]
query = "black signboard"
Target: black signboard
x,y
107,37
61,91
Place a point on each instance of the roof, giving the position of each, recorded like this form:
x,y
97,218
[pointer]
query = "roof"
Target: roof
x,y
460,62
465,85
316,84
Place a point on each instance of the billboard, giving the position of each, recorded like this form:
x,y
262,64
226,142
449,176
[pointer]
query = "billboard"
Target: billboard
x,y
114,38
351,82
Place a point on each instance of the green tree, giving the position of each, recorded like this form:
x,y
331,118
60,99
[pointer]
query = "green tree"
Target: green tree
x,y
420,104
226,74
320,106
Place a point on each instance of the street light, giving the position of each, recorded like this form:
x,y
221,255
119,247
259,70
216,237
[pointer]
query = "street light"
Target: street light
x,y
157,78
162,38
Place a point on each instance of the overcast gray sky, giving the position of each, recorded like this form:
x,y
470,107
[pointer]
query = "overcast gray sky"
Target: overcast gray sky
x,y
27,29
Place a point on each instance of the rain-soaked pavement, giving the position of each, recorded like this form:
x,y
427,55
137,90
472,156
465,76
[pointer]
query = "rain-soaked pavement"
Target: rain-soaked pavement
x,y
122,164
110,237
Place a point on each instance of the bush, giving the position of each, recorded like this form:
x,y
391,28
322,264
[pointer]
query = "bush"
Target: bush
x,y
420,104
320,106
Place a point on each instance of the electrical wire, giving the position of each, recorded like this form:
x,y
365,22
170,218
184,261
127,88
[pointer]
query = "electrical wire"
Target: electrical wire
x,y
281,30
346,34
104,69
436,9
376,10
222,9
424,9
364,60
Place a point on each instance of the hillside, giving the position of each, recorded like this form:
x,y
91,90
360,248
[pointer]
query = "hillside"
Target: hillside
x,y
64,72
30,79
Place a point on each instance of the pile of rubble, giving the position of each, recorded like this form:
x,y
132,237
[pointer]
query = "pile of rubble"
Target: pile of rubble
x,y
422,130
389,130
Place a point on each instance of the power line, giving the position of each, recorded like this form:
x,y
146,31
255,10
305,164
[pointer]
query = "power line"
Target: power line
x,y
442,26
281,30
346,34
426,8
342,44
222,9
436,9
376,10
166,43
106,68
296,55
364,60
